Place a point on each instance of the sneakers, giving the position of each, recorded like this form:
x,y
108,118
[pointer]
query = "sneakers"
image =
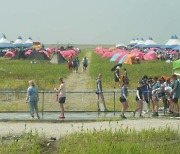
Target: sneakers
x,y
61,117
123,117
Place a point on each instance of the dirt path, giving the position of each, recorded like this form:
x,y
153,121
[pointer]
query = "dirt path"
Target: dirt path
x,y
60,129
78,82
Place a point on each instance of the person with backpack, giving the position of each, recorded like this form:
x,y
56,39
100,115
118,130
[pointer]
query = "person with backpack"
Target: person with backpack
x,y
175,94
85,63
32,99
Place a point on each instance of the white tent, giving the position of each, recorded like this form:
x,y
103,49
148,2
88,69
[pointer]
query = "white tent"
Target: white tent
x,y
150,41
173,41
4,43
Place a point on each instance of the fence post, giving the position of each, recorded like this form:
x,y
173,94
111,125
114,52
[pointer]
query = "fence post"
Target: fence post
x,y
43,105
114,103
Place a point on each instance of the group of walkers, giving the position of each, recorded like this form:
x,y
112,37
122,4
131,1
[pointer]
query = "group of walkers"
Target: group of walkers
x,y
74,63
152,90
32,96
149,90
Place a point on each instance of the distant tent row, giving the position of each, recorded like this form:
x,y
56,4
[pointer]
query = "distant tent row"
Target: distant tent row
x,y
4,43
172,43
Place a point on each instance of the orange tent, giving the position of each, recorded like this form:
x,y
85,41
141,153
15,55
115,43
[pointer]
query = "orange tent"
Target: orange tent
x,y
129,59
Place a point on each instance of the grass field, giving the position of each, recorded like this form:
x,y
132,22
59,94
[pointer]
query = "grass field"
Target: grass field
x,y
135,71
15,74
121,141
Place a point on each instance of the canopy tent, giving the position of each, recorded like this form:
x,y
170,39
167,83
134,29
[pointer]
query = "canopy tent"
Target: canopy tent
x,y
176,67
139,43
150,43
19,42
4,43
133,42
171,43
28,43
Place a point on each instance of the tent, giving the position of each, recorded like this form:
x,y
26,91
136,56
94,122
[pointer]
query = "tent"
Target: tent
x,y
28,43
171,43
19,42
150,43
38,56
150,55
57,58
129,59
19,55
4,43
176,67
115,56
122,59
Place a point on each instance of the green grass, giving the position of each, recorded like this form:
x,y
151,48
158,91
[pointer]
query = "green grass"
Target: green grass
x,y
135,71
15,74
121,141
95,142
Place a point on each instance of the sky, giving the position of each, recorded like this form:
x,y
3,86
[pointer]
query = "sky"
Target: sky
x,y
90,21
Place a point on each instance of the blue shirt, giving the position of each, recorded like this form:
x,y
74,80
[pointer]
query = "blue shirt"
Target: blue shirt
x,y
176,86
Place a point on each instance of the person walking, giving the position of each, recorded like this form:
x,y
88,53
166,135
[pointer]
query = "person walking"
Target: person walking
x,y
32,99
100,93
139,99
123,99
61,97
175,94
85,63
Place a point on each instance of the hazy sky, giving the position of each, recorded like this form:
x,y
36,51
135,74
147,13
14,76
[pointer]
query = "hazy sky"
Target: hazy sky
x,y
90,21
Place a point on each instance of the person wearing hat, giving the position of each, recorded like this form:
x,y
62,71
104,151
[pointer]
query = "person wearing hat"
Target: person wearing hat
x,y
116,76
175,94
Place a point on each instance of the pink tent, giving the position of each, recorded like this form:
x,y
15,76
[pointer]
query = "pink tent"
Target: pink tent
x,y
150,55
68,53
9,54
51,50
108,54
28,52
46,53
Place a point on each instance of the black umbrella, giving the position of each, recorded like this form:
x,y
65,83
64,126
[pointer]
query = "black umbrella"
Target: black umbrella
x,y
114,67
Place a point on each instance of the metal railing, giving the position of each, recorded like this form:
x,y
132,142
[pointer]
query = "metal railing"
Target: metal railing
x,y
76,101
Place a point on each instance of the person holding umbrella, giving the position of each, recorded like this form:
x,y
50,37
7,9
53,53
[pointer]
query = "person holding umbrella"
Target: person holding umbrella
x,y
116,76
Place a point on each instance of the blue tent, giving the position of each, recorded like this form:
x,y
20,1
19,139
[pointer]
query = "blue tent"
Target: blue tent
x,y
6,45
114,57
122,59
168,46
177,47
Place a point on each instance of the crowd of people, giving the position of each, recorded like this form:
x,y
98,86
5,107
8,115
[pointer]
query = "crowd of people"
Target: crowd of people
x,y
151,91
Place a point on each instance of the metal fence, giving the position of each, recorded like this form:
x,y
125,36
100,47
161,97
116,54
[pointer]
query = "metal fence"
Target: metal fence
x,y
75,101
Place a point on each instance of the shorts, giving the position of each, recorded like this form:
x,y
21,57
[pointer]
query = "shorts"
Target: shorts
x,y
175,100
62,99
85,65
122,99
